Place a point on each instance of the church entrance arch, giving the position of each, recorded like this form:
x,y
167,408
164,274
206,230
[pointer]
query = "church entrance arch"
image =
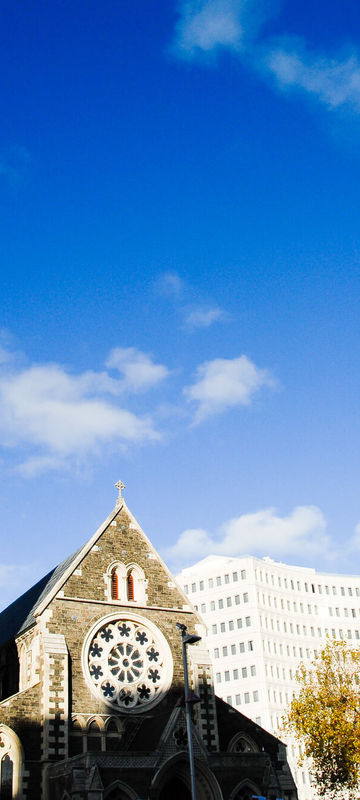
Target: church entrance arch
x,y
172,781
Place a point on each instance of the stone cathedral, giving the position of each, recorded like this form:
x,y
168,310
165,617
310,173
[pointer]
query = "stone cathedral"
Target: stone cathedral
x,y
92,692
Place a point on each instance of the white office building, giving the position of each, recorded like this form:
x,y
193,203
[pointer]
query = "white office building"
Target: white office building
x,y
264,618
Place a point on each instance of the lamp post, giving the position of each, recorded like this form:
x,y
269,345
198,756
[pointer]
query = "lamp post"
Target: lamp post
x,y
187,638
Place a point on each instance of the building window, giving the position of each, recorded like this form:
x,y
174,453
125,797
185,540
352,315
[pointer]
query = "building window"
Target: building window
x,y
247,697
225,651
227,579
237,700
244,672
245,597
222,627
114,585
253,670
237,599
231,625
218,581
212,605
203,608
214,628
201,586
227,675
130,587
114,730
233,649
256,697
216,652
242,647
228,602
235,576
221,603
193,587
248,621
93,737
243,574
211,583
251,645
239,622
236,674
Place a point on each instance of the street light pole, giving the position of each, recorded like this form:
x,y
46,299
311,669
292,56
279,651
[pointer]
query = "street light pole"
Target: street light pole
x,y
189,700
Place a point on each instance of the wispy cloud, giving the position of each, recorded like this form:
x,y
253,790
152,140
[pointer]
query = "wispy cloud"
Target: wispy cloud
x,y
170,284
203,318
139,371
335,82
206,26
260,533
223,383
60,415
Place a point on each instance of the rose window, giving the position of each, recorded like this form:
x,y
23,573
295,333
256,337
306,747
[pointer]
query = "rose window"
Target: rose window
x,y
127,663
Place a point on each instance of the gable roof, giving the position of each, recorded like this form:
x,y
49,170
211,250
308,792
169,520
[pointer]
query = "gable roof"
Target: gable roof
x,y
21,614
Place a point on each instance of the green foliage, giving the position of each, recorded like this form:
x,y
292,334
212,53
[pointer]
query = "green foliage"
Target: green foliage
x,y
325,718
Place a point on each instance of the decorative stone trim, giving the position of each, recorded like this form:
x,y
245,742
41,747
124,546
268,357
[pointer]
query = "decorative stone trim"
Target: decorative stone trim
x,y
10,745
127,663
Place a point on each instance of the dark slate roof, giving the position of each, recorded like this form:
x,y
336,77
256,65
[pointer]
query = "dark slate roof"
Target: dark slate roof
x,y
19,616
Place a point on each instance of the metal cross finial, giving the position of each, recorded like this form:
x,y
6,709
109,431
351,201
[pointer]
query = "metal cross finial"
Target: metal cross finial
x,y
120,486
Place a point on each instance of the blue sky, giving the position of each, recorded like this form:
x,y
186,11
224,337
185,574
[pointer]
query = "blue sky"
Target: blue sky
x,y
180,278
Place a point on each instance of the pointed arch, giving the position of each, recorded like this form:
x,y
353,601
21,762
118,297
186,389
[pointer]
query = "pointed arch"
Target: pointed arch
x,y
11,763
115,580
242,743
118,790
174,773
245,790
136,583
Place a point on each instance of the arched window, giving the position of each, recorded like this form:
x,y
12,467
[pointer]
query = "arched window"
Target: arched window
x,y
94,737
115,585
115,581
11,764
135,580
242,743
113,735
130,587
6,784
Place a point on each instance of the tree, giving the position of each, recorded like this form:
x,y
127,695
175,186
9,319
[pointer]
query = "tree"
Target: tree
x,y
325,718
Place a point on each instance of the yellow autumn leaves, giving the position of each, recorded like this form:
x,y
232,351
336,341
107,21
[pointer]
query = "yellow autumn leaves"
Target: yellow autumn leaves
x,y
325,718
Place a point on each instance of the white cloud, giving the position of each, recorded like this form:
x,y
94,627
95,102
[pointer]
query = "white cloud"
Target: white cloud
x,y
58,416
207,24
334,82
223,383
203,318
260,533
138,370
204,26
170,284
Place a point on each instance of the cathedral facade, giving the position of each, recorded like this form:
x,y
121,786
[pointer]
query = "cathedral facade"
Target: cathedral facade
x,y
92,687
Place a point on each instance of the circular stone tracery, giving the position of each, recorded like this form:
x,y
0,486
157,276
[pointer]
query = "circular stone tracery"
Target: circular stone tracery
x,y
127,663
